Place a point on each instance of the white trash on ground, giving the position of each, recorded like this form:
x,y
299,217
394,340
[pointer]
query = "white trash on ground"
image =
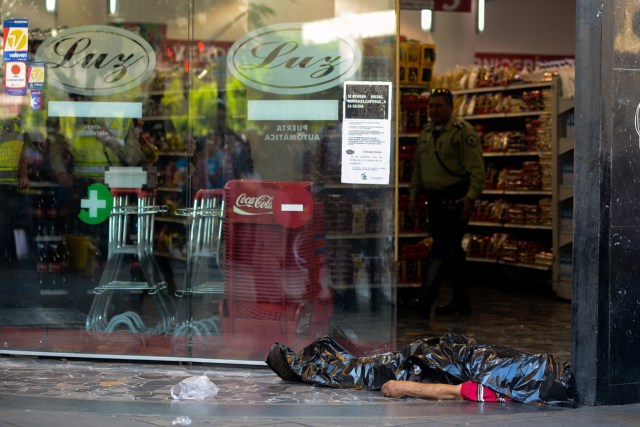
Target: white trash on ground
x,y
181,421
194,388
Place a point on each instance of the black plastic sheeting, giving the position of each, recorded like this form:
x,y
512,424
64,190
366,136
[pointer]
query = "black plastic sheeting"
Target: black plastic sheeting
x,y
450,359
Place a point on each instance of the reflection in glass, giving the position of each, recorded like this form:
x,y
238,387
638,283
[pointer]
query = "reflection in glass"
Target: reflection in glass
x,y
175,271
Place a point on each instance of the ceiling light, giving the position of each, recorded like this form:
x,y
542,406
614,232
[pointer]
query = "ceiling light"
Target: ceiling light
x,y
480,16
51,5
426,20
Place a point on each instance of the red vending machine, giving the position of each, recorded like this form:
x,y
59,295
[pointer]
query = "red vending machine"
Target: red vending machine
x,y
275,263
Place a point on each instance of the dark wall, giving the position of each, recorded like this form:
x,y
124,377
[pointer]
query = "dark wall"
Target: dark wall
x,y
606,306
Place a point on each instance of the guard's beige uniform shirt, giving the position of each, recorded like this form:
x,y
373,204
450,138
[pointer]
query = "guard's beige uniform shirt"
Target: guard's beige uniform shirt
x,y
459,148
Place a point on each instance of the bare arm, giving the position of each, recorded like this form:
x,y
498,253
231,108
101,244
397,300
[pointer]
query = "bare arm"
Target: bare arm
x,y
421,390
129,152
23,178
56,158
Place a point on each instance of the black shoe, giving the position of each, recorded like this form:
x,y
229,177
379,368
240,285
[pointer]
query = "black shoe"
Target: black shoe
x,y
426,311
453,310
278,362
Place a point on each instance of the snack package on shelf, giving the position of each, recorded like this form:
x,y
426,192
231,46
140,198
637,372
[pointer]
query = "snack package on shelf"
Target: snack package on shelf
x,y
474,76
413,111
416,62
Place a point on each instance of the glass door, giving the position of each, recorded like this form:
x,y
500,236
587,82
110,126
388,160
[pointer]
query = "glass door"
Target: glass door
x,y
198,182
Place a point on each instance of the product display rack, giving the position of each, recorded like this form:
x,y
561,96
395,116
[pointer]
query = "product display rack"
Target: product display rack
x,y
355,229
358,240
412,246
513,221
563,228
531,205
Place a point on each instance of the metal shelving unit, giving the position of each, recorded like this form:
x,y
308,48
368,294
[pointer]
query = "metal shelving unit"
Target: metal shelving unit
x,y
563,200
560,146
556,145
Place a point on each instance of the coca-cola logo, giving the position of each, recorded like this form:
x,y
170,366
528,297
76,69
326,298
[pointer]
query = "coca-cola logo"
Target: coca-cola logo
x,y
262,202
282,59
96,60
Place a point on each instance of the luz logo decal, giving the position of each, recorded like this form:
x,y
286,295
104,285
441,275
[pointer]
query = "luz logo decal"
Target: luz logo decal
x,y
279,59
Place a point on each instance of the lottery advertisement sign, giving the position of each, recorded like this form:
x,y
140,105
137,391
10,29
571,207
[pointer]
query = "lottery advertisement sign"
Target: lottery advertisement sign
x,y
15,41
15,80
35,102
36,76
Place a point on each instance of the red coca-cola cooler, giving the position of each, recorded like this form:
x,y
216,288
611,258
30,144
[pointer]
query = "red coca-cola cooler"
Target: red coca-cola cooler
x,y
275,263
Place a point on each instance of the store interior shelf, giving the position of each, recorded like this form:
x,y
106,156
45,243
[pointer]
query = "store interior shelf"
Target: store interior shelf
x,y
514,153
566,192
565,145
533,111
566,238
519,192
515,87
482,260
541,267
413,235
528,226
565,104
509,225
505,115
43,184
35,188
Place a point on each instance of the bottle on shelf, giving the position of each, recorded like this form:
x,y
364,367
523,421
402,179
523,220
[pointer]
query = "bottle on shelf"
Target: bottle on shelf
x,y
52,211
57,277
40,209
42,264
65,256
53,231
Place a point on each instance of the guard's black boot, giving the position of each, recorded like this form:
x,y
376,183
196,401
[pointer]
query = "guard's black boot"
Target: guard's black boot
x,y
461,303
430,285
453,310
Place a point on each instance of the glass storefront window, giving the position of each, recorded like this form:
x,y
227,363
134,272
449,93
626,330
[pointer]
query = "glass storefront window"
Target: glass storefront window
x,y
200,181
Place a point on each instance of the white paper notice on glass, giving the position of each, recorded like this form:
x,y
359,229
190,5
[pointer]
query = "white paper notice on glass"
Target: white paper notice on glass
x,y
366,133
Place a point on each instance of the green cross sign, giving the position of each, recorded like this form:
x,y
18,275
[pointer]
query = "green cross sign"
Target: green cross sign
x,y
97,207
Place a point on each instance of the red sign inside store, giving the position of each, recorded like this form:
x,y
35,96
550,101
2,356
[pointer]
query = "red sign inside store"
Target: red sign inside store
x,y
437,5
517,61
200,53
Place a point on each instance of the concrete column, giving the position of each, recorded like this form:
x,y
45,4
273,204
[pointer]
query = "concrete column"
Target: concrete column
x,y
606,272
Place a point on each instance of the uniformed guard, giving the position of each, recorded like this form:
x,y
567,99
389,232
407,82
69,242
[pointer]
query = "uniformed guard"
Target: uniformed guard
x,y
13,175
449,170
81,150
94,144
13,162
